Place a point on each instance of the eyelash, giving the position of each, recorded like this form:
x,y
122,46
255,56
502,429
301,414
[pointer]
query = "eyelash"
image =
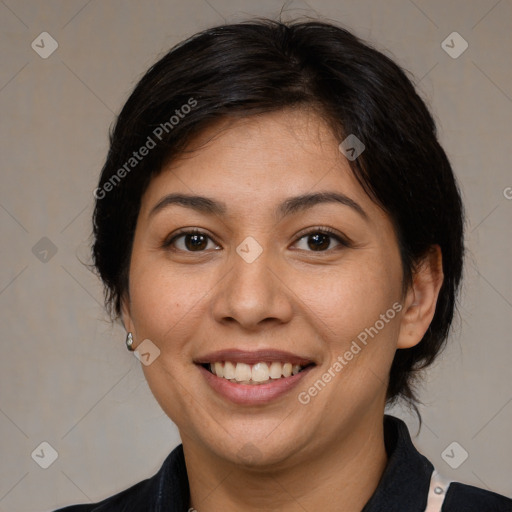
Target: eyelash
x,y
345,242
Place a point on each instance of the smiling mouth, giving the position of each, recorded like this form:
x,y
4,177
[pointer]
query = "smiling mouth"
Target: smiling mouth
x,y
254,374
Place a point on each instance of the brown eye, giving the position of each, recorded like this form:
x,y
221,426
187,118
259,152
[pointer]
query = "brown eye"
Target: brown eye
x,y
319,240
195,242
190,241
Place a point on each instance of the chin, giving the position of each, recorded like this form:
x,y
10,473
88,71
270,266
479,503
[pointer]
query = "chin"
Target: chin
x,y
258,448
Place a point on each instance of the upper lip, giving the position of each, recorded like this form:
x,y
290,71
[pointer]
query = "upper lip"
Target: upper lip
x,y
252,357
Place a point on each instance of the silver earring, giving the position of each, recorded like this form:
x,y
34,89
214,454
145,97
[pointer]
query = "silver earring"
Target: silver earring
x,y
129,342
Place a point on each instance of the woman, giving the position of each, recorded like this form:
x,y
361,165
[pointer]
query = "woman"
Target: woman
x,y
281,234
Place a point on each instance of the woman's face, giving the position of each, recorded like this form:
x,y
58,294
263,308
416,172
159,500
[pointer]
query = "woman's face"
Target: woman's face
x,y
261,287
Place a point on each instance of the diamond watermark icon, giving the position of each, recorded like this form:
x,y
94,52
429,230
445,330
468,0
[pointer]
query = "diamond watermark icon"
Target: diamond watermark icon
x,y
352,147
454,455
44,250
45,455
146,352
454,45
249,453
44,45
249,249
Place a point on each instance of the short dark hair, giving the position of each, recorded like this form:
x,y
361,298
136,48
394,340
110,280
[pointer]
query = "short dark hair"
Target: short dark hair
x,y
262,66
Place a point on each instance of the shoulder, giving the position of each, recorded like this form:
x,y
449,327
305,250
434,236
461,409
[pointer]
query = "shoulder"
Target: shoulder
x,y
467,498
410,479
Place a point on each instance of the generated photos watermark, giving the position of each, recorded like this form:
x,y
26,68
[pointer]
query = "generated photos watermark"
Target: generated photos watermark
x,y
304,397
144,150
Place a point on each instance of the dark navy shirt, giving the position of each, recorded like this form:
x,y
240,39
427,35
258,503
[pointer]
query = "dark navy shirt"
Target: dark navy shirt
x,y
403,487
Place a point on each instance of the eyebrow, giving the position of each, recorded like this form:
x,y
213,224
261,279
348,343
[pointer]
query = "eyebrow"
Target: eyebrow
x,y
288,207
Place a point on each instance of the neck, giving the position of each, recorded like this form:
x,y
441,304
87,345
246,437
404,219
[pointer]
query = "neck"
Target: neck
x,y
339,477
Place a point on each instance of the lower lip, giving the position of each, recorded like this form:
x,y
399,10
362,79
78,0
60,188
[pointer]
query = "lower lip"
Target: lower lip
x,y
252,394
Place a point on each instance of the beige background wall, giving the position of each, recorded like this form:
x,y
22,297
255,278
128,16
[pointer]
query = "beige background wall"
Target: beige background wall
x,y
65,375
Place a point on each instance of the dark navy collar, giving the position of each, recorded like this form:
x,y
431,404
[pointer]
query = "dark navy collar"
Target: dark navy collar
x,y
404,485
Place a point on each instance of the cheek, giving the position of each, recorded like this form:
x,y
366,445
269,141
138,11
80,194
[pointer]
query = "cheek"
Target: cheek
x,y
165,309
357,319
353,296
163,301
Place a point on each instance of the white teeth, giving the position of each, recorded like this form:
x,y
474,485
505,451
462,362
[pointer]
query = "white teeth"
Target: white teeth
x,y
276,370
260,372
219,371
287,369
243,373
229,370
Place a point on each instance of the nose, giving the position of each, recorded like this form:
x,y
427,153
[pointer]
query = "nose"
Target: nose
x,y
253,295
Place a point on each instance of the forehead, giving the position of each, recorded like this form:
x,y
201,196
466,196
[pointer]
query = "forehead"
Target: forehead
x,y
259,161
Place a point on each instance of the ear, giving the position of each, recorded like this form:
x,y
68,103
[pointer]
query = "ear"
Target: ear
x,y
421,299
